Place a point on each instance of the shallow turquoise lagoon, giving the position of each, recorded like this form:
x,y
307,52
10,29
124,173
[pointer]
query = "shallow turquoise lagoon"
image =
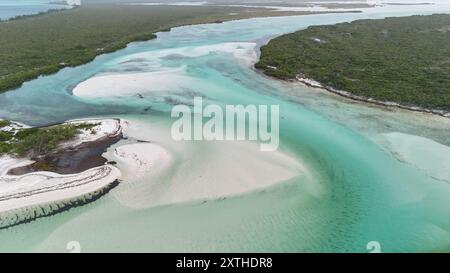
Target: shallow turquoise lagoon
x,y
364,184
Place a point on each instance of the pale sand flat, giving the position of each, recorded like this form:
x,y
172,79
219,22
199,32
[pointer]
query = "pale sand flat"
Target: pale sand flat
x,y
136,84
169,172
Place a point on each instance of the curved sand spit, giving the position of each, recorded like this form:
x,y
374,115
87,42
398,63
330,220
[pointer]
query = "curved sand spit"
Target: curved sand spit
x,y
39,194
161,171
34,195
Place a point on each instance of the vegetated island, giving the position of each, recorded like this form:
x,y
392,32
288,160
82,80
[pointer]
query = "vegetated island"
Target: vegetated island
x,y
403,62
47,170
43,44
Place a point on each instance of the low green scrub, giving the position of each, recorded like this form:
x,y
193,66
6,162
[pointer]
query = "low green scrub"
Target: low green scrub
x,y
42,44
406,59
33,142
6,136
4,123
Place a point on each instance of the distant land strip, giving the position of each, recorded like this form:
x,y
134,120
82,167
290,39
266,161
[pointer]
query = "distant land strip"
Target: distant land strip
x,y
45,43
403,62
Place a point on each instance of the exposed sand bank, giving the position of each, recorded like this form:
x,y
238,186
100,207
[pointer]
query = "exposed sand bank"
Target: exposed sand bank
x,y
138,159
37,194
130,84
316,84
140,84
25,198
162,171
104,128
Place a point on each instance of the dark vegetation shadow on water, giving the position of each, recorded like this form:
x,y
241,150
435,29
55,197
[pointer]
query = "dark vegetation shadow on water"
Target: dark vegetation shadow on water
x,y
42,144
71,161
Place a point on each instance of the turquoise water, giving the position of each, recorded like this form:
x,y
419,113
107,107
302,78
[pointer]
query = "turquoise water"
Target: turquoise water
x,y
359,191
13,8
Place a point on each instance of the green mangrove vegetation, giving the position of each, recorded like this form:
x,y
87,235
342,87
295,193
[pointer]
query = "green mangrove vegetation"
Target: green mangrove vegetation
x,y
4,123
34,142
43,44
405,60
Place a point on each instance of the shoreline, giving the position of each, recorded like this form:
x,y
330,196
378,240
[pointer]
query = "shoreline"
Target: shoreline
x,y
328,48
71,161
28,192
161,171
47,71
315,84
25,207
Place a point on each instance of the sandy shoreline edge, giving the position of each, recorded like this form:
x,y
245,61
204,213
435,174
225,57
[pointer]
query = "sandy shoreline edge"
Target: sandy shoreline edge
x,y
315,84
26,197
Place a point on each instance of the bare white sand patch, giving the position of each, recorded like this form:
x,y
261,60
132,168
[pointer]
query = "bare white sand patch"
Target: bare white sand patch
x,y
30,196
229,169
140,159
240,50
103,128
154,83
188,171
143,167
44,187
427,155
129,84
